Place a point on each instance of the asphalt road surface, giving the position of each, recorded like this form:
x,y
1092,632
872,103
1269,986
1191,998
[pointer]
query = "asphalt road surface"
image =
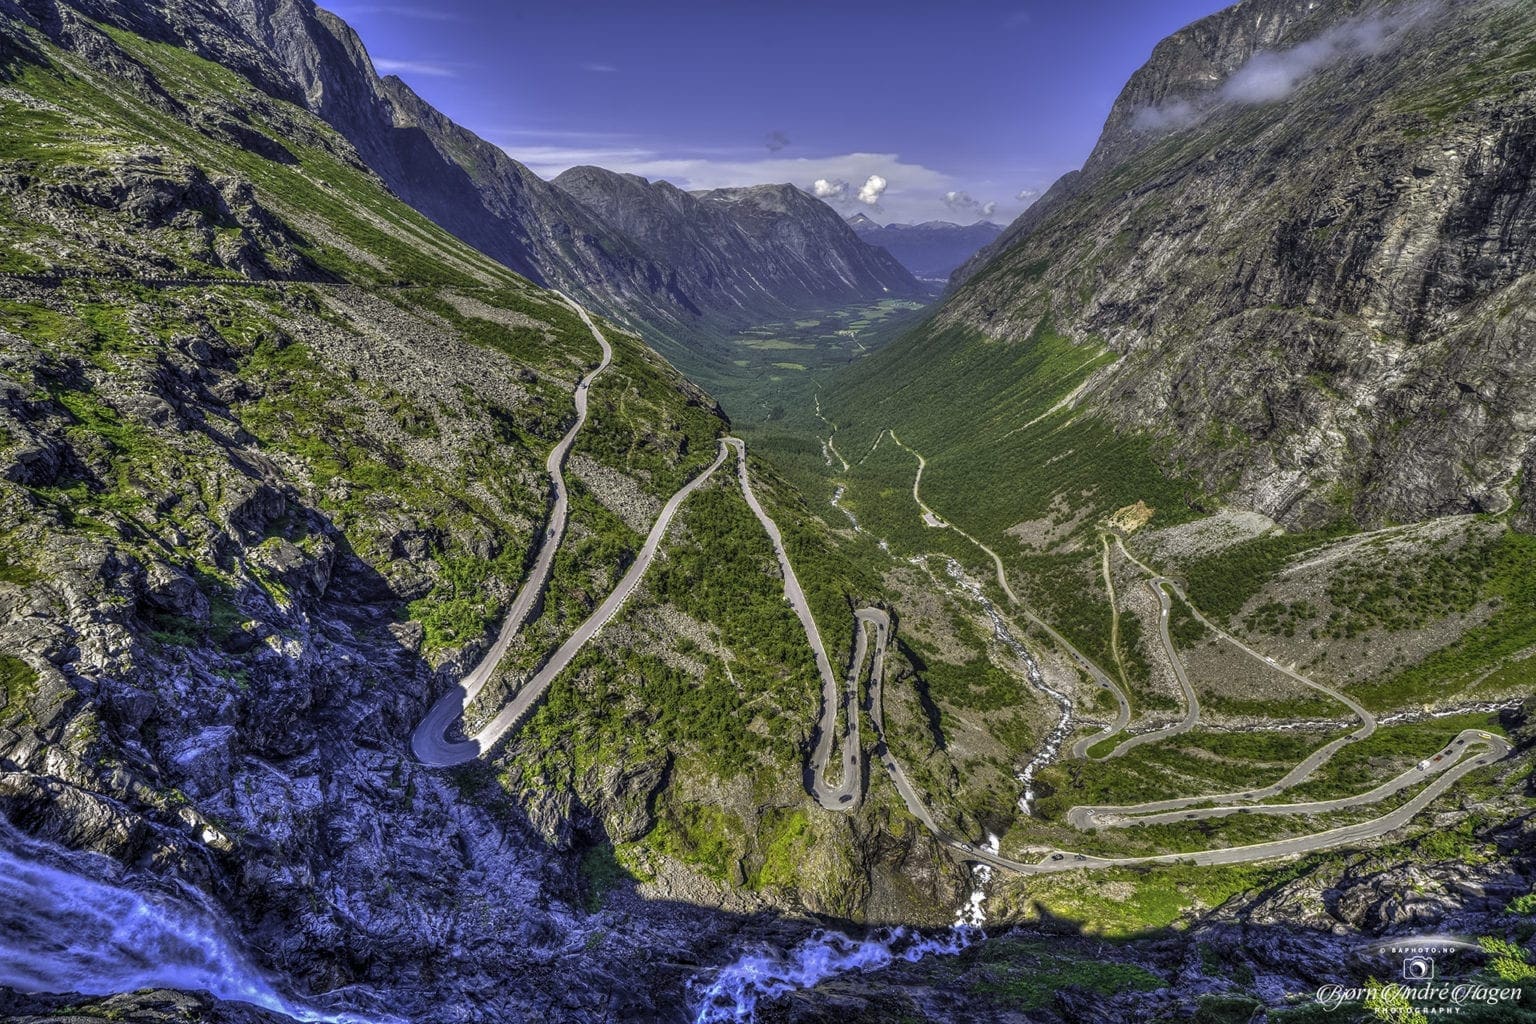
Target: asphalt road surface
x,y
847,794
429,742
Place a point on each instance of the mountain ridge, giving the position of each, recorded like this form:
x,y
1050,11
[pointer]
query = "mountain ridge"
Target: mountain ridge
x,y
933,249
1355,273
297,51
745,255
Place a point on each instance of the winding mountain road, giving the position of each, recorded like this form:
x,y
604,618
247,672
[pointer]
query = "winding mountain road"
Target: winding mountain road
x,y
1470,750
429,742
846,795
1168,811
1098,675
433,749
1191,698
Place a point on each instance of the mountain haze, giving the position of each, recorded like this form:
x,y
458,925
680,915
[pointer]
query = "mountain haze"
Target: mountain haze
x,y
933,249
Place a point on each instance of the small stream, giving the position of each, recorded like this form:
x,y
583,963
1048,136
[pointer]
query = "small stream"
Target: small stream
x,y
1058,735
761,974
837,503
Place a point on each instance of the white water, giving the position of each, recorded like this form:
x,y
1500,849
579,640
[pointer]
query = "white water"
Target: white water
x,y
837,503
973,912
1058,735
972,589
62,931
734,994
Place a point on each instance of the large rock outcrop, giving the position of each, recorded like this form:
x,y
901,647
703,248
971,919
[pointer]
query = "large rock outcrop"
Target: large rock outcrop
x,y
1306,235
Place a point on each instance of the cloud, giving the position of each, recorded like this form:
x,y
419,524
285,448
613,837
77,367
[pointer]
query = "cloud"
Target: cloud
x,y
1167,117
873,188
429,68
775,141
599,68
963,203
1272,75
1027,195
832,191
911,191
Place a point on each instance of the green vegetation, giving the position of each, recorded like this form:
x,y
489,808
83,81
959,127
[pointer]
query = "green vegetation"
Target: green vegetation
x,y
1389,751
459,608
1025,974
1127,902
1395,595
785,837
1191,764
1390,1004
1509,568
1220,584
600,873
921,382
703,836
15,567
766,375
977,685
630,704
18,681
1507,961
1279,618
1225,1009
1186,630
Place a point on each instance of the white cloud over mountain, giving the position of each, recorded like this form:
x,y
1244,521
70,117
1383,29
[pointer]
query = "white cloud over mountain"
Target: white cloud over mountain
x,y
902,191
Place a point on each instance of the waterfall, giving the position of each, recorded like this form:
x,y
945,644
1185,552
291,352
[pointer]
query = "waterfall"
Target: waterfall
x,y
973,912
64,931
733,995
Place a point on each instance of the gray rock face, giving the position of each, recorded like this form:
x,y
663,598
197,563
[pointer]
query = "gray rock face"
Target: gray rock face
x,y
156,1006
741,255
249,530
1307,235
683,277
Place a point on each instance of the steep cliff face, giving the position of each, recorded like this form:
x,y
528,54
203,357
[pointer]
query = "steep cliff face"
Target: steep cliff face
x,y
741,255
295,51
272,462
1305,239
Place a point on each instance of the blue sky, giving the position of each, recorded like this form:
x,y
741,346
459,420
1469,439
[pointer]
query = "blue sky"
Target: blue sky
x,y
953,105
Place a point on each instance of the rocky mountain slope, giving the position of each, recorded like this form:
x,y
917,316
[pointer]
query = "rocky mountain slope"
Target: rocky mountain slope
x,y
271,470
1297,263
271,467
297,52
933,249
743,255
